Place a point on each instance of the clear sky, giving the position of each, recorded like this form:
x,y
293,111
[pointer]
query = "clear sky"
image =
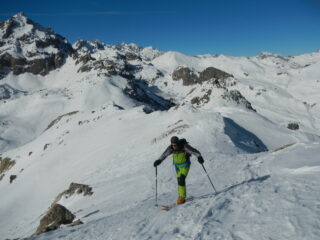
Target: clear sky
x,y
230,27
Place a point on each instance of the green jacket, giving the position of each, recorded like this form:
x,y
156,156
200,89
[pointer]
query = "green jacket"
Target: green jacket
x,y
186,149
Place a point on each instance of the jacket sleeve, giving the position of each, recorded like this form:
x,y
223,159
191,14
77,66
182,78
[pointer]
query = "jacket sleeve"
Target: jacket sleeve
x,y
166,153
191,150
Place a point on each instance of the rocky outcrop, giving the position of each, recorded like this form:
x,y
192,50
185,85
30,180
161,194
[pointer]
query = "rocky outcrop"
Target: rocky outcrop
x,y
214,78
74,188
140,91
5,165
284,147
57,214
108,67
293,126
12,178
55,121
188,76
191,77
54,218
237,97
213,73
203,99
26,46
84,47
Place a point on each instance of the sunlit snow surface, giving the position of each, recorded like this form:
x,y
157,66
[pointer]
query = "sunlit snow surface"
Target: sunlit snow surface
x,y
111,143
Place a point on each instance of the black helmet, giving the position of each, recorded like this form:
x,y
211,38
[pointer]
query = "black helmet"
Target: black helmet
x,y
174,139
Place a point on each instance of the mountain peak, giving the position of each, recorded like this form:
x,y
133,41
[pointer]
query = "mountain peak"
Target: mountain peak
x,y
20,16
26,46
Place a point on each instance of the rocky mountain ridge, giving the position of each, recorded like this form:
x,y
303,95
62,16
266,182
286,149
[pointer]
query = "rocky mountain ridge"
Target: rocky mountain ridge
x,y
96,123
28,47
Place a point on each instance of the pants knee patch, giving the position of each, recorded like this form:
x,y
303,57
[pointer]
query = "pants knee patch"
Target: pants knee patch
x,y
182,180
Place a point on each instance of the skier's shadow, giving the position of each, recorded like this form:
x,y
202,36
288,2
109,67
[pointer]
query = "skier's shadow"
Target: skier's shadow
x,y
252,180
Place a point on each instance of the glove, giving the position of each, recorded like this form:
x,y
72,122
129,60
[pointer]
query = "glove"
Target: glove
x,y
157,163
200,160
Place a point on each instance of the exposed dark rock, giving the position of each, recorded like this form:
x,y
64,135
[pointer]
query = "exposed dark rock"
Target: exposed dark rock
x,y
202,100
54,218
118,106
85,59
83,122
6,164
46,146
141,92
159,74
37,66
37,61
132,56
59,118
284,147
186,74
265,55
11,24
196,101
190,77
213,73
87,47
26,38
293,126
58,214
85,68
12,178
74,188
237,97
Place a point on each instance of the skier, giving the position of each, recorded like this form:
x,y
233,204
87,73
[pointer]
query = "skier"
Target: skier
x,y
181,151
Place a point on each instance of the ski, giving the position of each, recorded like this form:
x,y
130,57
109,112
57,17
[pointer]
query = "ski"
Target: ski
x,y
169,207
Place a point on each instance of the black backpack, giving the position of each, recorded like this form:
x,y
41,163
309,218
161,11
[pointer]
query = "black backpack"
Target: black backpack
x,y
182,142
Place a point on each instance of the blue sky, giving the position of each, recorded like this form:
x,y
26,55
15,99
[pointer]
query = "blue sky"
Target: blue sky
x,y
230,27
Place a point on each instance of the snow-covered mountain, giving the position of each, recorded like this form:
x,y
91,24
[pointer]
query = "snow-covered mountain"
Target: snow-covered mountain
x,y
81,124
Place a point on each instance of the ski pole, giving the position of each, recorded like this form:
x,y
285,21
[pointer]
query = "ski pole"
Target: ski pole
x,y
209,178
156,186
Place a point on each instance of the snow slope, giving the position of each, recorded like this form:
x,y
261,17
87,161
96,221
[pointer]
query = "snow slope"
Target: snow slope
x,y
261,195
264,196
